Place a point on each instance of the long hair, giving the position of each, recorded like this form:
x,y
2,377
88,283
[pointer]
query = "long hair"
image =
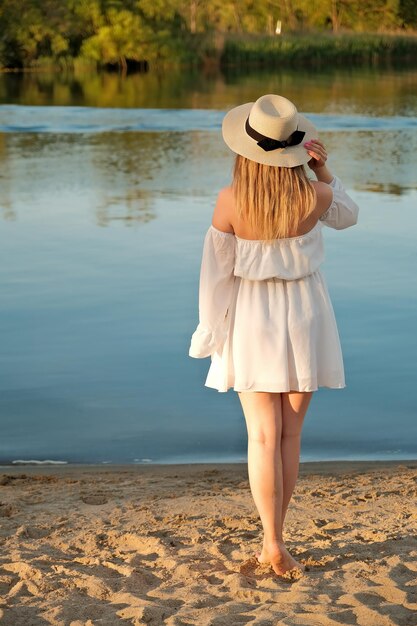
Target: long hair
x,y
272,200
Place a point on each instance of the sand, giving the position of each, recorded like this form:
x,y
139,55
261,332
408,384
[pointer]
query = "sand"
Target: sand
x,y
174,544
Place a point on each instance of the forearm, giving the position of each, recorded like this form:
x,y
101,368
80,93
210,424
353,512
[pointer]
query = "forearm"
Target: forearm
x,y
324,174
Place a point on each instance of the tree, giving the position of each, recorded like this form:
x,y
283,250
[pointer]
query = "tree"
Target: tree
x,y
407,12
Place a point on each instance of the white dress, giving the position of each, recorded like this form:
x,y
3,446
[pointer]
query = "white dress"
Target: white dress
x,y
265,314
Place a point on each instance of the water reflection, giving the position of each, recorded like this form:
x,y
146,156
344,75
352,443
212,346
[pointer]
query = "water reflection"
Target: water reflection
x,y
136,205
374,160
7,210
125,175
369,91
386,188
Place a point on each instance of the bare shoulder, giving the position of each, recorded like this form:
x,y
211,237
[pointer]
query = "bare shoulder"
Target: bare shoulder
x,y
223,210
324,197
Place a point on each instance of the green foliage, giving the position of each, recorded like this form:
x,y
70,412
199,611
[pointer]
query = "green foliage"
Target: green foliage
x,y
407,12
117,37
318,49
173,32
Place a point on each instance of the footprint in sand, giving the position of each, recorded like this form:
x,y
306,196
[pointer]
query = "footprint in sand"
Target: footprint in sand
x,y
33,532
7,510
94,499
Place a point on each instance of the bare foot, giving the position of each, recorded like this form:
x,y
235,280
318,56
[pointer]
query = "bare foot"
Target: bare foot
x,y
278,556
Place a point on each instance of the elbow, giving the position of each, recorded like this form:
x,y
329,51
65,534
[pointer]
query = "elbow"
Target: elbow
x,y
350,218
354,214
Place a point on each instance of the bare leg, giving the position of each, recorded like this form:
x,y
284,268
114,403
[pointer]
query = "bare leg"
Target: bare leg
x,y
263,415
294,409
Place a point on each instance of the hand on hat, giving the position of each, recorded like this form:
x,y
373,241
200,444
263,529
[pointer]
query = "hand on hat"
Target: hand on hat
x,y
318,153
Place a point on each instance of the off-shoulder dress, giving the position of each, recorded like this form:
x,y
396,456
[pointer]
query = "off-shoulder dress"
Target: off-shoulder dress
x,y
265,314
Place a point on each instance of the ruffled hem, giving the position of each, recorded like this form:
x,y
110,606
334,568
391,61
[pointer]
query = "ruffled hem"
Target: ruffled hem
x,y
206,342
276,387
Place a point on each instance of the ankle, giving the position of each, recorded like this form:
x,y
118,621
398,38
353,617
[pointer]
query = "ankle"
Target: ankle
x,y
272,542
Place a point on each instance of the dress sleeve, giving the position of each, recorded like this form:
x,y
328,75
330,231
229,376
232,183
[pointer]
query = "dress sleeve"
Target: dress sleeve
x,y
343,211
215,292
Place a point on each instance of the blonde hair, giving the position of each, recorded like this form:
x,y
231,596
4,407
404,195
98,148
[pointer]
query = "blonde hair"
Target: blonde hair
x,y
272,200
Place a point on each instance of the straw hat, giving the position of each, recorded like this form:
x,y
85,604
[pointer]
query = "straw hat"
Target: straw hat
x,y
269,131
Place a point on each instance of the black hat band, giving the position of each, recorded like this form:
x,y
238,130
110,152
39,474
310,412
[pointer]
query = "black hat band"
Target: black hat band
x,y
269,143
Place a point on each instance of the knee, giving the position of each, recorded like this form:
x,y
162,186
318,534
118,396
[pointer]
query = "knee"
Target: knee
x,y
262,438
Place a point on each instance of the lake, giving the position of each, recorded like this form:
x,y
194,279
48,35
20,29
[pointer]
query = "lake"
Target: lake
x,y
107,189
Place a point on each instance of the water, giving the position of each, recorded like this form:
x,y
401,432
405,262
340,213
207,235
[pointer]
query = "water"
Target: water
x,y
107,189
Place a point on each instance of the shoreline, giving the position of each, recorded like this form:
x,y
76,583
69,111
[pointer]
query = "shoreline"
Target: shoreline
x,y
306,467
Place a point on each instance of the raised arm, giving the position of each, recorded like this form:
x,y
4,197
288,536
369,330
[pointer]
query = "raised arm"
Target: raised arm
x,y
336,208
343,211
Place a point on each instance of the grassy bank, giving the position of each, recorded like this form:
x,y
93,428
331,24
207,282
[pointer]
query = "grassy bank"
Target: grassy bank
x,y
319,49
216,49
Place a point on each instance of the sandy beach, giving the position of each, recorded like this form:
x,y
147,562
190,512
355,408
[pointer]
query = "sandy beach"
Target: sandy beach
x,y
174,544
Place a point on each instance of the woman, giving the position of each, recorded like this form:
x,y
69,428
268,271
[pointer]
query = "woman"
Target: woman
x,y
265,315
